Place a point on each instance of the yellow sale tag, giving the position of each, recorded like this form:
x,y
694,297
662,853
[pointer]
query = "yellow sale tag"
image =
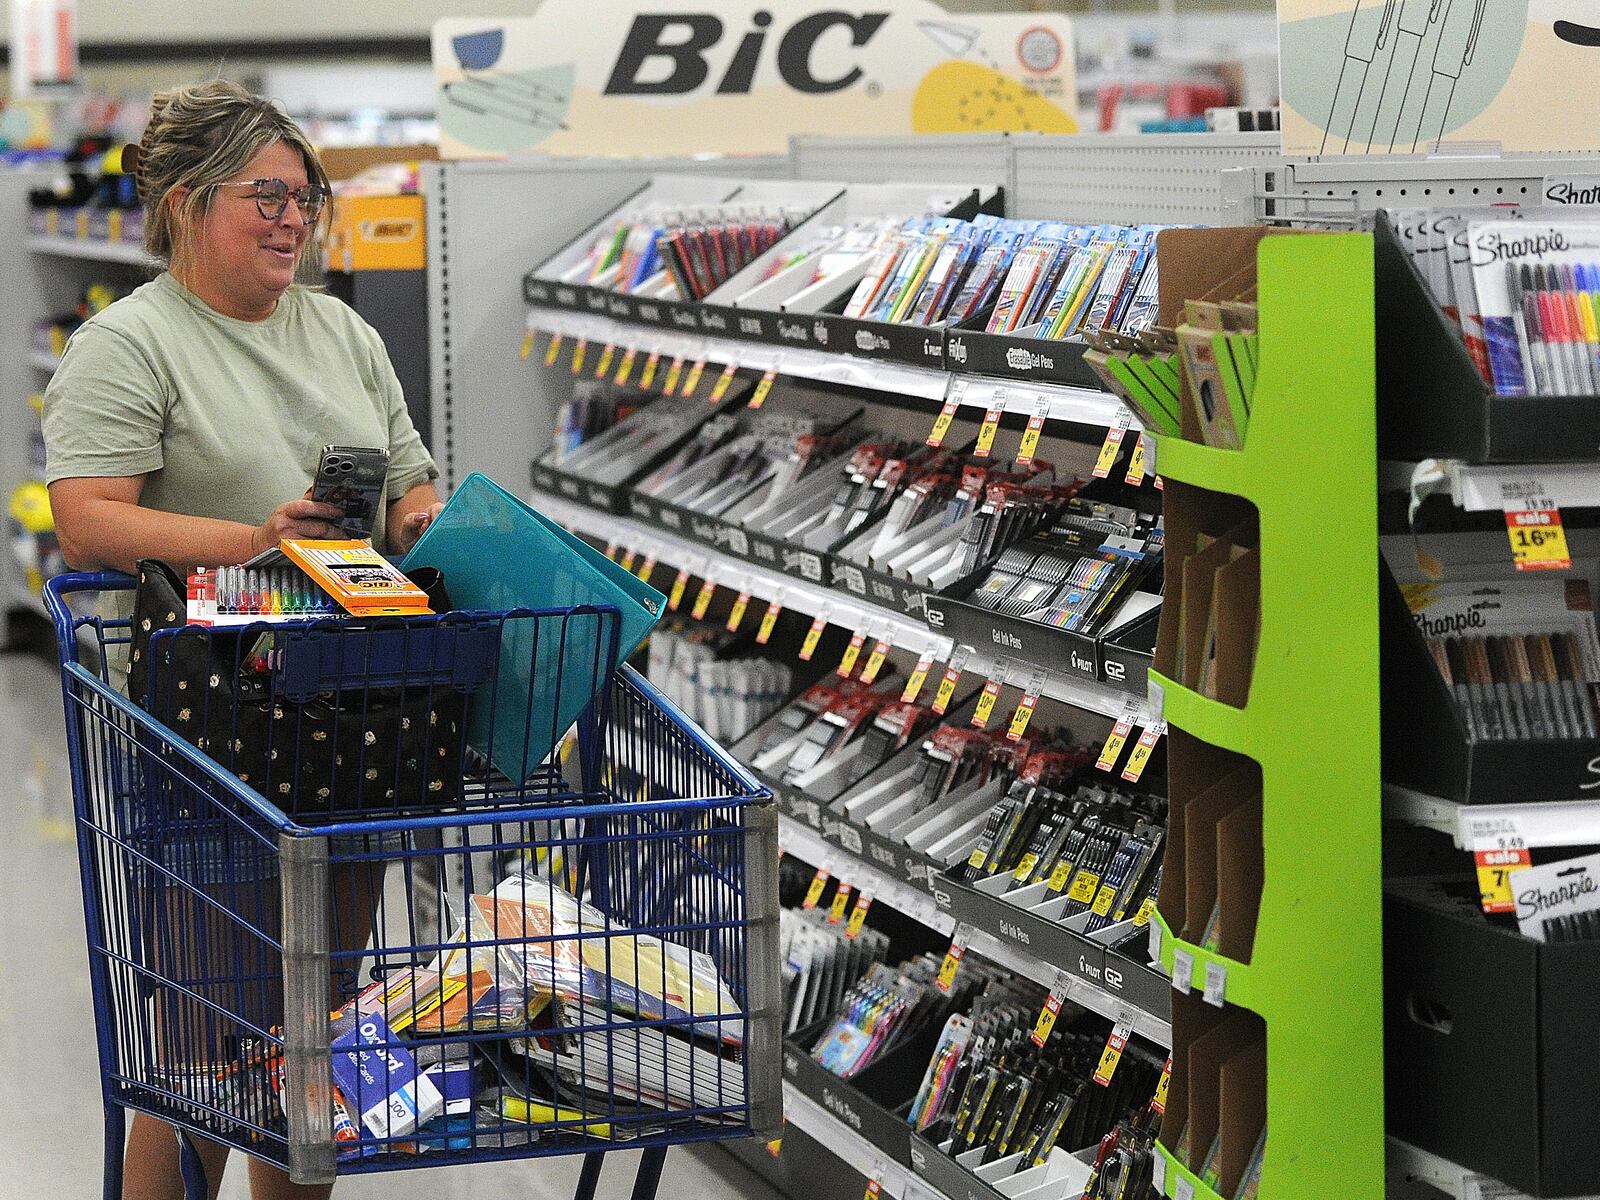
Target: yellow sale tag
x,y
611,551
607,353
986,432
674,372
1025,867
919,676
942,423
1108,452
702,600
83,223
553,350
775,1147
1140,757
841,898
813,636
1112,750
679,583
1084,885
1047,1018
947,690
692,380
527,347
723,383
648,375
1103,900
1158,1102
647,567
880,651
1142,917
814,892
1030,441
52,222
1538,539
114,225
977,858
1112,1055
948,968
763,387
1059,876
852,652
629,559
1020,719
1136,468
1496,868
736,614
858,916
625,371
873,1190
580,348
768,620
985,709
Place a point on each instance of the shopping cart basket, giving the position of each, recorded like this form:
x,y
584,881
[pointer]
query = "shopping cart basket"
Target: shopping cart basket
x,y
400,975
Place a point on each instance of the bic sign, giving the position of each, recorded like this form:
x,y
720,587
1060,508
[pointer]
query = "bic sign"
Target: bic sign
x,y
684,41
676,77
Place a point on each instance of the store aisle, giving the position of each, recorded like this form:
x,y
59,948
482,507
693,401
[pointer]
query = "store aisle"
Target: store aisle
x,y
50,1116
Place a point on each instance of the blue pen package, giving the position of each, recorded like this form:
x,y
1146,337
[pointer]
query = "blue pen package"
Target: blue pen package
x,y
497,554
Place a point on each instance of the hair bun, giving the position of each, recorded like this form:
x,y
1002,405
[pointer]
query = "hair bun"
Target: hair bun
x,y
131,154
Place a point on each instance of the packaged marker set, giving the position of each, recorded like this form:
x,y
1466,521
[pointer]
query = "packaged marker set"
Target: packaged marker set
x,y
821,961
674,253
593,410
726,696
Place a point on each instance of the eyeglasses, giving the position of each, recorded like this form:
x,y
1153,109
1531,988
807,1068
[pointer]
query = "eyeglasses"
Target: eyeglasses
x,y
272,197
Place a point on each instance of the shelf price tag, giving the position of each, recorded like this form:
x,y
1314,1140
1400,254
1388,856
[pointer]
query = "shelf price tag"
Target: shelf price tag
x,y
1216,985
808,646
819,881
918,676
692,379
553,350
674,373
858,916
1158,1173
880,651
841,900
852,653
1051,1010
952,959
1140,756
647,567
580,350
607,353
1183,1189
1116,740
1499,849
991,693
736,614
648,375
769,619
1138,462
947,414
1112,445
1538,539
680,582
611,551
702,599
629,559
1159,1100
1183,971
952,676
764,385
1024,713
873,1192
527,346
723,383
1030,435
1112,1054
625,368
1145,910
991,424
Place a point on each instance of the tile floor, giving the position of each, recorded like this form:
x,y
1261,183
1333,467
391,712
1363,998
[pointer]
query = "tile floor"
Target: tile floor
x,y
50,1116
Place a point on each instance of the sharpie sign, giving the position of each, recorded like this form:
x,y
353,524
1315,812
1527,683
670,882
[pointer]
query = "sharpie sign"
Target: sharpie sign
x,y
742,76
1578,190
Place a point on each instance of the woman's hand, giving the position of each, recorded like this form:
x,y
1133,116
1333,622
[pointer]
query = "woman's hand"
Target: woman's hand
x,y
413,524
303,518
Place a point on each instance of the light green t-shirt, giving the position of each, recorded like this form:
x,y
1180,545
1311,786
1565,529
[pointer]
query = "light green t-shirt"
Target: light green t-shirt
x,y
225,418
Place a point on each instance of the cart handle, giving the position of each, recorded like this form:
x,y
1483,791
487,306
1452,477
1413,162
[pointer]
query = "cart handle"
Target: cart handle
x,y
59,587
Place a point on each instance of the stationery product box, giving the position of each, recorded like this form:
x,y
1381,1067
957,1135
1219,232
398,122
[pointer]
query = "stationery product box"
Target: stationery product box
x,y
872,1103
1490,1041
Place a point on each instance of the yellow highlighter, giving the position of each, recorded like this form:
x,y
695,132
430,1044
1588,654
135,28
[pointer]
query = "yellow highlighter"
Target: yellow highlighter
x,y
536,1112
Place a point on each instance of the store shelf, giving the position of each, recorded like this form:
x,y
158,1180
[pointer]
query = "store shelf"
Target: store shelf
x,y
1079,405
1492,488
1205,466
1550,823
1085,975
98,251
1236,983
44,360
1177,1181
1411,1164
1215,722
800,595
861,1155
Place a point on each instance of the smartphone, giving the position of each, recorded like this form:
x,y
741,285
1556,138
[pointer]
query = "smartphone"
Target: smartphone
x,y
352,479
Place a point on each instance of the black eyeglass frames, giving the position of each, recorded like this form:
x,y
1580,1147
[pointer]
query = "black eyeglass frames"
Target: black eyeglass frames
x,y
272,198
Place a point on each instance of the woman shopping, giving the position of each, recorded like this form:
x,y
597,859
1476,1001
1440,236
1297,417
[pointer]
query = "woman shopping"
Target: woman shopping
x,y
186,421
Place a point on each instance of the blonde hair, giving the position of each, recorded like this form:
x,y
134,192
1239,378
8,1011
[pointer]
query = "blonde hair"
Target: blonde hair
x,y
198,137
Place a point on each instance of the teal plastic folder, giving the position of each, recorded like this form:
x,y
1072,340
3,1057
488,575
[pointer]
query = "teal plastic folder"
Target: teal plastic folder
x,y
497,554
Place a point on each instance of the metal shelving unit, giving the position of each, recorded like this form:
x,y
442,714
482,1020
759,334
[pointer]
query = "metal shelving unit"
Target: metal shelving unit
x,y
95,250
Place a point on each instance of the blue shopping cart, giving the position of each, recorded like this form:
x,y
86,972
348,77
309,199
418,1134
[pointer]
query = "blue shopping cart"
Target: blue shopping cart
x,y
329,928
